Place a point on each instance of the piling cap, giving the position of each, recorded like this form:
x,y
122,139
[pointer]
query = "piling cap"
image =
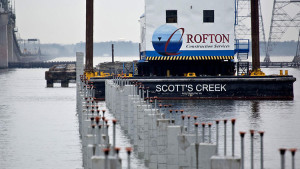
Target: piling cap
x,y
97,107
114,121
196,124
92,118
203,124
155,97
209,124
103,118
93,126
151,101
165,106
293,151
225,121
188,116
233,121
217,121
282,151
99,126
86,98
97,118
183,116
98,111
93,110
103,111
106,151
107,125
195,117
170,111
252,132
181,110
128,150
160,105
117,149
242,133
170,105
176,110
106,121
261,133
146,98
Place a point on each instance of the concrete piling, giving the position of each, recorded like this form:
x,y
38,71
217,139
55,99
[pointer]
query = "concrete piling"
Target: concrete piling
x,y
217,136
225,138
232,136
156,132
282,157
261,133
203,132
293,152
242,134
252,149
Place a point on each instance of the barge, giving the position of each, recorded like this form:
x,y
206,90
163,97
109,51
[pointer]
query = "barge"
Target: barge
x,y
197,38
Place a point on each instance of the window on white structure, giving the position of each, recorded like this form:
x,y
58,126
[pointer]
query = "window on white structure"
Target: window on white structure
x,y
171,16
208,16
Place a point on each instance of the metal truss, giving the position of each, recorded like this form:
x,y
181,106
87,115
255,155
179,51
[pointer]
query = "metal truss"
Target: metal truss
x,y
297,56
281,21
243,22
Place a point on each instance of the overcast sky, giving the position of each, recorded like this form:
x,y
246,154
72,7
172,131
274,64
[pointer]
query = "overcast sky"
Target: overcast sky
x,y
63,21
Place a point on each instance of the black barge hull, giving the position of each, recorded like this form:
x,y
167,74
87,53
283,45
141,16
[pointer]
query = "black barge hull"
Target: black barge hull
x,y
231,87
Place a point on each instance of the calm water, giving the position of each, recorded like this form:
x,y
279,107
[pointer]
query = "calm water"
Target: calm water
x,y
39,127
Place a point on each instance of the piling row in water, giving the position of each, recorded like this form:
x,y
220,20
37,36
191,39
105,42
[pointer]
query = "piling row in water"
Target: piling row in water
x,y
158,133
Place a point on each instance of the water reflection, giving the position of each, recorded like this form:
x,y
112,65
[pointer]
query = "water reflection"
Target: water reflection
x,y
255,110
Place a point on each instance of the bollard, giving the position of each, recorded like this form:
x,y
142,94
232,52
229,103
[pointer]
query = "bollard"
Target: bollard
x,y
282,152
170,116
242,134
209,132
261,133
188,129
225,138
106,152
182,123
195,119
114,133
100,134
155,102
128,149
103,111
106,137
252,149
196,130
117,150
217,136
232,135
203,132
293,152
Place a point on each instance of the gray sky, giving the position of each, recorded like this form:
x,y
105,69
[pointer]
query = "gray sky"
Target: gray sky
x,y
63,21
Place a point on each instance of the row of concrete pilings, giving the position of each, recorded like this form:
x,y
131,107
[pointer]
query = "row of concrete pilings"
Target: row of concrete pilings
x,y
172,140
